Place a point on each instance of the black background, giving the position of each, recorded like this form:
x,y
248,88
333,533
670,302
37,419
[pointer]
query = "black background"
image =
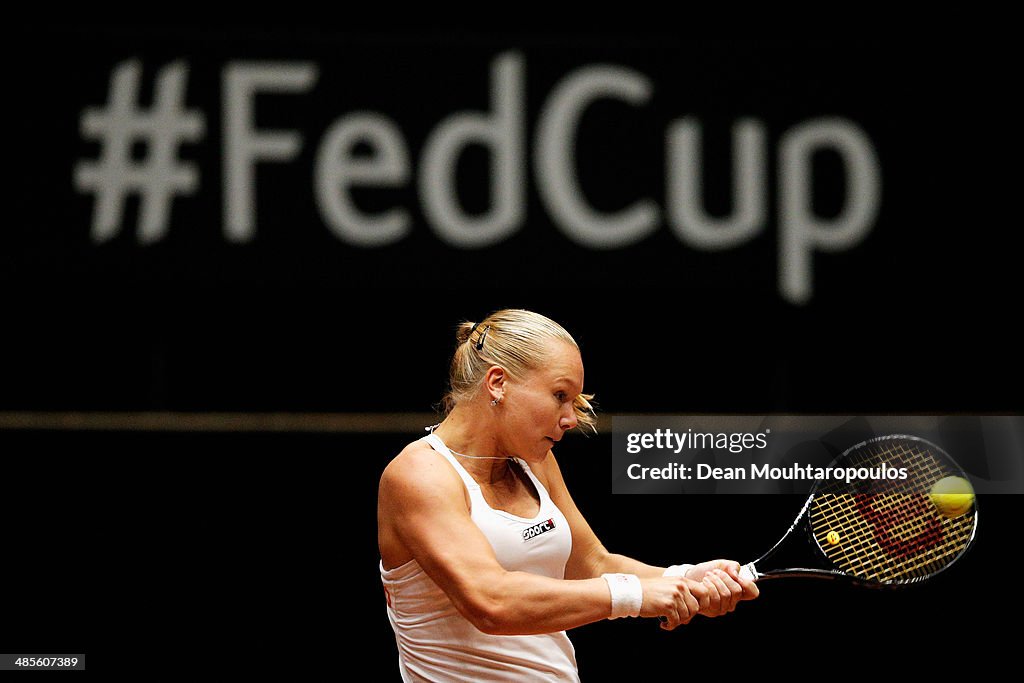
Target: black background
x,y
262,546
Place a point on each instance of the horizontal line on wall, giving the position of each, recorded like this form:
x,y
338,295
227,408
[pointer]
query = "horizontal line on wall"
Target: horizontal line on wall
x,y
342,423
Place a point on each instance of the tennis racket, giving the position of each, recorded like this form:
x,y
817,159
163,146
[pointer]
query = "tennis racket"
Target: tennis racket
x,y
877,532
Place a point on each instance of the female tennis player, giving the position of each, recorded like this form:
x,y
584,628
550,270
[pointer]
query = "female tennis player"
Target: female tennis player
x,y
485,559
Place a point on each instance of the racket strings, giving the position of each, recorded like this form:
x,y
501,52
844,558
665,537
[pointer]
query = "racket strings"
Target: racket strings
x,y
914,550
889,530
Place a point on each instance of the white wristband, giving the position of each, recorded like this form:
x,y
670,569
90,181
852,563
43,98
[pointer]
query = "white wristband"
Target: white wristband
x,y
678,570
627,594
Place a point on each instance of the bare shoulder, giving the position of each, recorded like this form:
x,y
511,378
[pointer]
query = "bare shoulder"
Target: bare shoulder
x,y
419,494
549,472
418,472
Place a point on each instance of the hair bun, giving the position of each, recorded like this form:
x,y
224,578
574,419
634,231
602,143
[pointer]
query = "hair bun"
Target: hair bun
x,y
464,331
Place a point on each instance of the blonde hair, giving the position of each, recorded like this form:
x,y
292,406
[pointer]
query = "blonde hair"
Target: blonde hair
x,y
517,341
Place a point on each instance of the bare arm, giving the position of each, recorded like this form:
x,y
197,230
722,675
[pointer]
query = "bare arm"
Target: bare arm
x,y
421,500
589,557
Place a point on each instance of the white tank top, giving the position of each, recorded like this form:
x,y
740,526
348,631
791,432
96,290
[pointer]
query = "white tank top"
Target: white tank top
x,y
436,643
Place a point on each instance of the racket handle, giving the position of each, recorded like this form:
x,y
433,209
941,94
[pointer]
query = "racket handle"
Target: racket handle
x,y
749,571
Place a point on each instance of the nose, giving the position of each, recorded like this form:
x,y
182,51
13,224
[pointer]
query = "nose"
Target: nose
x,y
568,420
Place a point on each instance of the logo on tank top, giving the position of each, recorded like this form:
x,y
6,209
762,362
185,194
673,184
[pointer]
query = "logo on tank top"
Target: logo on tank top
x,y
538,529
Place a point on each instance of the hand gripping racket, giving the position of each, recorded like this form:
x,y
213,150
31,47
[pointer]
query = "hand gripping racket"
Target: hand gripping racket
x,y
880,531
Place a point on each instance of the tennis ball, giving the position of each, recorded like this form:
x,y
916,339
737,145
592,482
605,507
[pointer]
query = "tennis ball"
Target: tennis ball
x,y
953,496
832,537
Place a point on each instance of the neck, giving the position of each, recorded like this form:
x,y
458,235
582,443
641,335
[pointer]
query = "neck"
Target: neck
x,y
468,432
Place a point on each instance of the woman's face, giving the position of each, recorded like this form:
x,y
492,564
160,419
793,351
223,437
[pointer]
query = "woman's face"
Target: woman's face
x,y
539,406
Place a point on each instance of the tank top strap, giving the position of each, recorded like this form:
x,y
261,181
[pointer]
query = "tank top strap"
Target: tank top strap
x,y
438,445
541,490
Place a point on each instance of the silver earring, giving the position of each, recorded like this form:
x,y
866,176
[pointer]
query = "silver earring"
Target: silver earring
x,y
496,401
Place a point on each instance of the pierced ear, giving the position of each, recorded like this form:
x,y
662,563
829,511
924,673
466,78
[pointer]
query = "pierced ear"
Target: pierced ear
x,y
497,376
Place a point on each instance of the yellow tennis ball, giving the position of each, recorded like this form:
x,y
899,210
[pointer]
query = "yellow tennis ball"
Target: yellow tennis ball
x,y
953,496
832,538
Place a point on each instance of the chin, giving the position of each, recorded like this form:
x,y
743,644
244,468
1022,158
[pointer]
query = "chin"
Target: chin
x,y
536,453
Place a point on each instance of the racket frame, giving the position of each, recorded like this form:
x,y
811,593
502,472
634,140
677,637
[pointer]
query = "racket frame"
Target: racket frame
x,y
750,570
